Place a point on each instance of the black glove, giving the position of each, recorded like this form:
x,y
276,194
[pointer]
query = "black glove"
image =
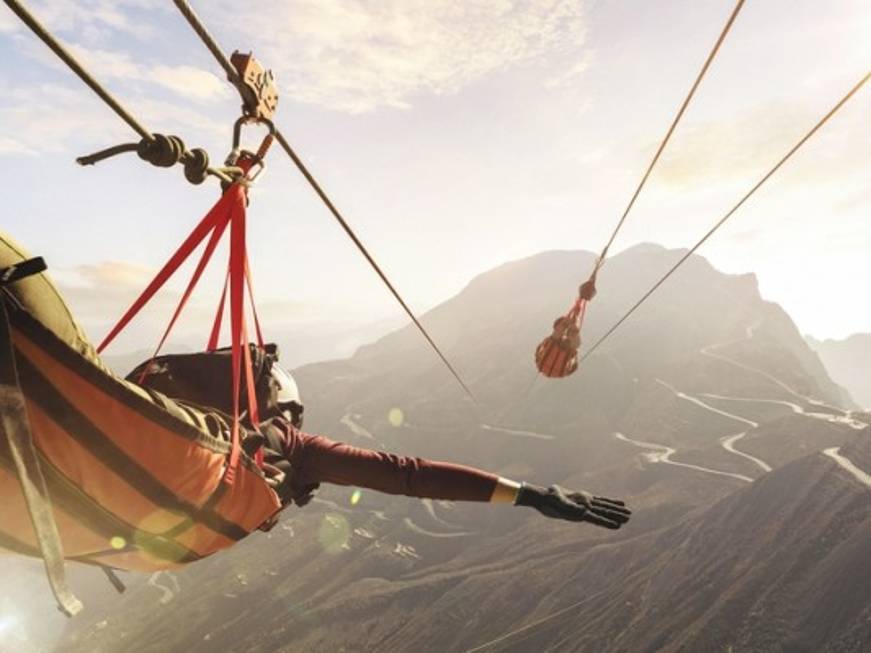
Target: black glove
x,y
555,502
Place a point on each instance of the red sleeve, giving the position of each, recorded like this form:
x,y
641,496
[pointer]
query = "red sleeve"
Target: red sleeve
x,y
316,459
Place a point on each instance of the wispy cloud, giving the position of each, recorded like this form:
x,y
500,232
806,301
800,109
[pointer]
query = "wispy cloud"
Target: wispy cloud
x,y
570,74
749,142
51,118
358,56
54,117
14,146
8,22
90,20
185,81
114,274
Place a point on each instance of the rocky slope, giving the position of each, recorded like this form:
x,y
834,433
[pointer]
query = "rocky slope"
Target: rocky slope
x,y
707,412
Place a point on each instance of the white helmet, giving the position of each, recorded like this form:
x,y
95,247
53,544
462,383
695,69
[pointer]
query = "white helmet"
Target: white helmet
x,y
288,399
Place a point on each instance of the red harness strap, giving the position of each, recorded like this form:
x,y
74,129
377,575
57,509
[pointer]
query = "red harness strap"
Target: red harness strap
x,y
230,211
216,325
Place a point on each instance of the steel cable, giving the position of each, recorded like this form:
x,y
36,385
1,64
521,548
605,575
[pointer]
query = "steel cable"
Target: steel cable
x,y
195,161
728,215
213,47
55,46
668,134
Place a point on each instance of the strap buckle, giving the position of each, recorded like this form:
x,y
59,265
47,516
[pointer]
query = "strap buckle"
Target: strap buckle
x,y
22,270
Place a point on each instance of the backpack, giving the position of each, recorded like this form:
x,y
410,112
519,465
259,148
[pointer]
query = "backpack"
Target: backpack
x,y
206,379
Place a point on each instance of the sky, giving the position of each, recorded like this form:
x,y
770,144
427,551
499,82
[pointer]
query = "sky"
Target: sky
x,y
454,135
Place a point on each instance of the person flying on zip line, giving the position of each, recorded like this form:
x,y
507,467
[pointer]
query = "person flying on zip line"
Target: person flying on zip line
x,y
296,463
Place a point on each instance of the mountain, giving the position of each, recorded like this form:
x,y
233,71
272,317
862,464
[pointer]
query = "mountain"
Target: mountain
x,y
298,344
779,565
707,412
848,362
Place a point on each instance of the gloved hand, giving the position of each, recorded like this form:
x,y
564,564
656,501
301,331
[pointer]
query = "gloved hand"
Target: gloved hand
x,y
557,503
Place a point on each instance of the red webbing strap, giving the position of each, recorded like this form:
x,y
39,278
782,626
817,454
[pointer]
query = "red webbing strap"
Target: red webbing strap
x,y
253,304
218,231
582,311
230,210
206,225
253,409
219,316
238,333
215,335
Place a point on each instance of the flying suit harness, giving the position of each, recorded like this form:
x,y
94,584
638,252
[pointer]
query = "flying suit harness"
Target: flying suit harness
x,y
132,485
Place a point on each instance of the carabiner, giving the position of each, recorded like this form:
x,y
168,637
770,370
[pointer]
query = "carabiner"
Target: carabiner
x,y
267,141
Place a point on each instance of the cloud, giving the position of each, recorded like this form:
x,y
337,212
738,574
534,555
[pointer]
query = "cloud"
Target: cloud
x,y
189,81
90,20
746,237
53,118
357,56
115,275
8,22
570,74
99,293
185,81
749,142
13,146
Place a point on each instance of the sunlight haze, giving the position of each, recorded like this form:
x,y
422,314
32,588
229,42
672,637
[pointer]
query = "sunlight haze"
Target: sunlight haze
x,y
454,136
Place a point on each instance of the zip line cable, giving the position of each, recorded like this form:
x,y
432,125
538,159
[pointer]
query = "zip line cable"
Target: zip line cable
x,y
672,127
157,149
729,214
213,47
62,53
365,252
557,355
55,46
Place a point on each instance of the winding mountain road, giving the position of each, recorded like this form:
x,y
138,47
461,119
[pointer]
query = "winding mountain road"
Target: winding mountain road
x,y
709,351
729,445
412,526
845,420
520,433
430,508
839,416
663,455
728,442
847,464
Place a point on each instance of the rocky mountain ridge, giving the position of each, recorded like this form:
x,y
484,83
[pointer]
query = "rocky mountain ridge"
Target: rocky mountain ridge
x,y
707,412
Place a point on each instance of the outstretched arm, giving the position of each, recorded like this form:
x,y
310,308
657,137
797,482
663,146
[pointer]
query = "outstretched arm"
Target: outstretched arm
x,y
316,459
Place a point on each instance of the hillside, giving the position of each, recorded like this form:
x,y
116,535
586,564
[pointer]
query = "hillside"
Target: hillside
x,y
707,412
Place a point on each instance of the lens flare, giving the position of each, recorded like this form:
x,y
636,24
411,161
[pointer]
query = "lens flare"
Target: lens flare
x,y
117,542
355,497
148,539
396,417
334,533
